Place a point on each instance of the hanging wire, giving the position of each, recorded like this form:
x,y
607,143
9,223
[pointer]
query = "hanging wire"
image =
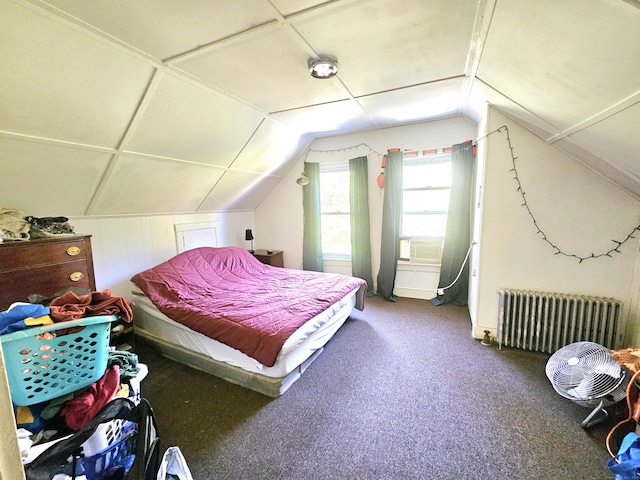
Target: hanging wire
x,y
539,231
345,149
525,203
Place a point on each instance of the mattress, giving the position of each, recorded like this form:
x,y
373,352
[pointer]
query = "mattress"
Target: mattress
x,y
306,341
226,294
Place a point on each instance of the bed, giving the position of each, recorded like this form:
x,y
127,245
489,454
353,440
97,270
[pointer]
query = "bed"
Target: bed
x,y
222,311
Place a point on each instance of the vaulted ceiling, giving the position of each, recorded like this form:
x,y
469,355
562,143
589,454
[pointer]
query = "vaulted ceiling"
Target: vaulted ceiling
x,y
116,107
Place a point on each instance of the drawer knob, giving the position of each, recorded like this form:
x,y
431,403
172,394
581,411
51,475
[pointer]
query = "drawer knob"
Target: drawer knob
x,y
73,251
76,276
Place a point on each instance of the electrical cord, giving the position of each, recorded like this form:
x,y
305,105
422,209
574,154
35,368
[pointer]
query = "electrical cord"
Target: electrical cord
x,y
633,410
440,291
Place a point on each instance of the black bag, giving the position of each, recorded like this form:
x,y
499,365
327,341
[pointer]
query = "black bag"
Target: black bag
x,y
143,442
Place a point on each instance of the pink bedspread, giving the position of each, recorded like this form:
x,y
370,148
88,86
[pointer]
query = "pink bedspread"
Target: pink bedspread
x,y
228,295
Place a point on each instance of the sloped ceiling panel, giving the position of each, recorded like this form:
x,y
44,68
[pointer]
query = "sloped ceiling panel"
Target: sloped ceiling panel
x,y
623,179
40,176
345,116
432,100
430,41
615,139
144,185
165,28
185,121
575,80
239,191
253,67
270,148
60,83
487,95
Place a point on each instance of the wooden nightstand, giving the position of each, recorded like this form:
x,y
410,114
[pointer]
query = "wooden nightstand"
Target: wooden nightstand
x,y
269,257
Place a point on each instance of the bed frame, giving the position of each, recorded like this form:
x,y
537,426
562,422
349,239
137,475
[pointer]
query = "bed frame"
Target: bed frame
x,y
269,386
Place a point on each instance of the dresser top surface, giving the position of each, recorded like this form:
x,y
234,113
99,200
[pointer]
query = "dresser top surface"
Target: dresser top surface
x,y
61,238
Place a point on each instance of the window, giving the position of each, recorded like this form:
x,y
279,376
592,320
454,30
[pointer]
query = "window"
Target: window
x,y
335,211
425,203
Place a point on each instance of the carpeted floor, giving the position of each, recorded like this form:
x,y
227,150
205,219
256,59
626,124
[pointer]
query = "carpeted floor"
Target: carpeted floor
x,y
401,392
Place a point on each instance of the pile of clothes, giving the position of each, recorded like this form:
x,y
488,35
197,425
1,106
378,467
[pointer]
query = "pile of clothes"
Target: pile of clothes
x,y
69,304
47,421
49,227
14,225
61,416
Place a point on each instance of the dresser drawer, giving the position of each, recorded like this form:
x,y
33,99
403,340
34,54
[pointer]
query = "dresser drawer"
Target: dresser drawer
x,y
23,255
48,279
44,267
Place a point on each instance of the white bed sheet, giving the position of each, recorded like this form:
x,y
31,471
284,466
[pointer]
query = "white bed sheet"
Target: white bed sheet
x,y
304,342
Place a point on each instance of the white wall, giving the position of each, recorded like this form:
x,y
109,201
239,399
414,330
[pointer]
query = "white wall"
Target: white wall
x,y
579,210
279,218
124,246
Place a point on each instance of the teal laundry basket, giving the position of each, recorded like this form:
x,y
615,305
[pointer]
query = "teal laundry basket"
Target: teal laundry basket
x,y
49,361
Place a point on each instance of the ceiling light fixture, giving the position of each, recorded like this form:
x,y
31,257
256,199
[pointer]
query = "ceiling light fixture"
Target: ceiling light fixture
x,y
323,67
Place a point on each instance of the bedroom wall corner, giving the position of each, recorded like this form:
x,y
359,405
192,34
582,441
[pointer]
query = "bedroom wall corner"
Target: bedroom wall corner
x,y
477,208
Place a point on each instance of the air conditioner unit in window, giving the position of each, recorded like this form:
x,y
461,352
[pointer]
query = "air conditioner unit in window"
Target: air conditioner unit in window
x,y
425,250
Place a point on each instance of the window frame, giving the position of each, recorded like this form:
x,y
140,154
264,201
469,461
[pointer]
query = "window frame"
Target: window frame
x,y
417,159
331,168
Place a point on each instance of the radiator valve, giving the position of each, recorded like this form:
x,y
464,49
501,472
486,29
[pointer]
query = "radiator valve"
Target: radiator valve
x,y
487,339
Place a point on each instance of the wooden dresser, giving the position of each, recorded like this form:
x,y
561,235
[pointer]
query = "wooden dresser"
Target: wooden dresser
x,y
44,266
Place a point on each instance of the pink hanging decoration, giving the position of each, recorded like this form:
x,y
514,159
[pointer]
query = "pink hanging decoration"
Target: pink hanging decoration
x,y
380,179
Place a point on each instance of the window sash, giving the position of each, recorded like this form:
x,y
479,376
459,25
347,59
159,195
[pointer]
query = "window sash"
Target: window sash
x,y
431,190
335,213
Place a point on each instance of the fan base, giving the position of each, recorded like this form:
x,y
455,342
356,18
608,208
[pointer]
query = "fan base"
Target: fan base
x,y
598,415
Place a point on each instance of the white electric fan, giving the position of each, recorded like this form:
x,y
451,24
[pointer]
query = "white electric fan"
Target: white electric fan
x,y
588,374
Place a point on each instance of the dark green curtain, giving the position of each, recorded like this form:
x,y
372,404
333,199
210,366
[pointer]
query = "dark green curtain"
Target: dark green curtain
x,y
312,237
458,232
391,220
360,224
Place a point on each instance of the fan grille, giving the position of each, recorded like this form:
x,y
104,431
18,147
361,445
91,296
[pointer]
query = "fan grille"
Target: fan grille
x,y
585,372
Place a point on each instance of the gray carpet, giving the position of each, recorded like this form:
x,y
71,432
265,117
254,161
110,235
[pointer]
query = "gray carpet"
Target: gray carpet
x,y
401,392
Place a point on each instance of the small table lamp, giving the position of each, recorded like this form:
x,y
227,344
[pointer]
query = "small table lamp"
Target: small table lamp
x,y
248,236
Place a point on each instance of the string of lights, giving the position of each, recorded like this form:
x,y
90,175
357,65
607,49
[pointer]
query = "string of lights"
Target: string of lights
x,y
544,236
345,149
539,231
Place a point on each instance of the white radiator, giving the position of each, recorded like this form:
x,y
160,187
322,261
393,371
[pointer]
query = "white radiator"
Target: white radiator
x,y
546,322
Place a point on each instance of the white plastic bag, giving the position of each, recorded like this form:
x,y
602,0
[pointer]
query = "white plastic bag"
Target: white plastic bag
x,y
173,466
